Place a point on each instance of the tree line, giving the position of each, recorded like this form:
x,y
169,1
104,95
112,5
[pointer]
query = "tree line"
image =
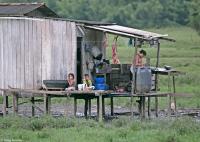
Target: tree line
x,y
133,13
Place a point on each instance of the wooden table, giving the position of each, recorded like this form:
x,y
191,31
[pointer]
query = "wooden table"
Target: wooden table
x,y
47,95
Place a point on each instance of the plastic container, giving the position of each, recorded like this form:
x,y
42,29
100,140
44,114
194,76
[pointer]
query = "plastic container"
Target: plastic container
x,y
99,80
101,87
143,80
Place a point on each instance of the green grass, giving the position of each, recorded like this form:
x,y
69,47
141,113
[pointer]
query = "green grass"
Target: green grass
x,y
48,129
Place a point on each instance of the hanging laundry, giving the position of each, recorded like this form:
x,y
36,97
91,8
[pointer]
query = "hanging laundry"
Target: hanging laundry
x,y
115,58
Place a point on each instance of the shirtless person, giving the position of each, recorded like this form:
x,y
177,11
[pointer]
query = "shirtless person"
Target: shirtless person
x,y
138,61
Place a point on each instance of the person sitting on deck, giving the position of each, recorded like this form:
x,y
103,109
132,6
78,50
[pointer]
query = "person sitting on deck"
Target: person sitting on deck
x,y
138,60
70,82
88,82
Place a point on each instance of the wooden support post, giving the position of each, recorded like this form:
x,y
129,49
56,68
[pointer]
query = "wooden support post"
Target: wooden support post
x,y
111,106
169,107
75,106
156,106
169,89
143,107
15,103
174,90
103,105
90,107
47,103
156,78
33,106
86,108
4,109
7,102
140,107
100,108
131,105
149,108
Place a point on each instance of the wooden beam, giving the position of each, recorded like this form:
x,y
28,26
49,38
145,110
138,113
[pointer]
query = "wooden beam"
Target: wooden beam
x,y
100,108
86,108
15,103
156,78
75,106
111,106
90,107
149,108
4,108
174,91
32,106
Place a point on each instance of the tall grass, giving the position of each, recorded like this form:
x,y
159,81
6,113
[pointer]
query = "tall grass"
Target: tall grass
x,y
80,130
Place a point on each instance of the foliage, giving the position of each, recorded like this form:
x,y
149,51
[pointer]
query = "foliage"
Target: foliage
x,y
134,13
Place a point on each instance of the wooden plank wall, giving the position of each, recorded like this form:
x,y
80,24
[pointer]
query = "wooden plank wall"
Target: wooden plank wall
x,y
32,50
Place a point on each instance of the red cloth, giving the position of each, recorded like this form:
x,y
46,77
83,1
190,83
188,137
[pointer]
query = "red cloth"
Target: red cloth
x,y
115,58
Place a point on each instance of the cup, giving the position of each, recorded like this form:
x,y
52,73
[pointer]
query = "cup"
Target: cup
x,y
80,87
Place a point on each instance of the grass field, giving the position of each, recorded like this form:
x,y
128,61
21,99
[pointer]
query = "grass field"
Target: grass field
x,y
48,129
183,55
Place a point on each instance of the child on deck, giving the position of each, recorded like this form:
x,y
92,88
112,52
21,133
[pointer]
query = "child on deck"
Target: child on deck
x,y
70,82
88,82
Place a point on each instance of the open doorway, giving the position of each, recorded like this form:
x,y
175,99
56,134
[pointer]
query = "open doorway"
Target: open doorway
x,y
79,61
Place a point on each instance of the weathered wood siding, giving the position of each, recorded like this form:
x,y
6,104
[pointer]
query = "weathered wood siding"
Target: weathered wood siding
x,y
32,50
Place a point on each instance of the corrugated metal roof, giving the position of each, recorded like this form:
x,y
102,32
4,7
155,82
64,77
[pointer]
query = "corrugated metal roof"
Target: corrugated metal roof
x,y
22,9
130,32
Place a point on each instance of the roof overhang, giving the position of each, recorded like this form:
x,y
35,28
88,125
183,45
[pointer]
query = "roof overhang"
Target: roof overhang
x,y
129,32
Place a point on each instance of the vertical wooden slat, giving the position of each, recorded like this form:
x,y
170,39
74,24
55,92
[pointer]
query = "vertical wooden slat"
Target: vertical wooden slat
x,y
16,38
22,54
26,55
5,53
31,55
46,51
38,52
34,52
64,49
74,48
1,56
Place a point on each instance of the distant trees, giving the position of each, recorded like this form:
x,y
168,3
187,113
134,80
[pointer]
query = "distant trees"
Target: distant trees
x,y
135,13
195,15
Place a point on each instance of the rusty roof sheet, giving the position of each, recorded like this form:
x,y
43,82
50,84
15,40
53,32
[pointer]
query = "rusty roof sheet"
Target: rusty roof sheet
x,y
130,32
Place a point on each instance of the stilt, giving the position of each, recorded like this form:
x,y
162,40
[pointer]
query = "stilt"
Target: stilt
x,y
100,108
111,106
47,103
149,108
142,107
75,106
97,107
4,109
169,107
90,107
156,106
7,102
15,103
86,108
174,90
33,104
103,106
